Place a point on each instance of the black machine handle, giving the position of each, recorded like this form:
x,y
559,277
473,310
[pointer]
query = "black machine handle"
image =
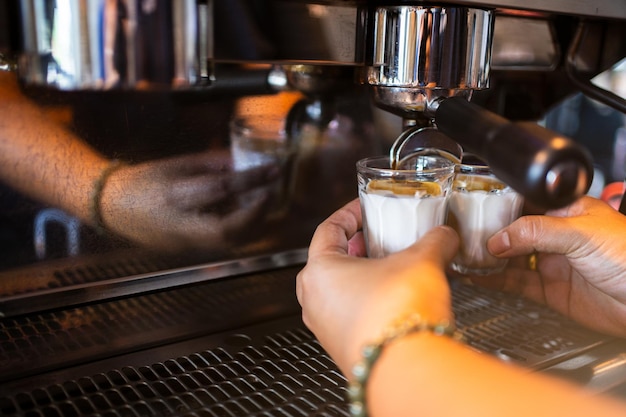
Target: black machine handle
x,y
548,169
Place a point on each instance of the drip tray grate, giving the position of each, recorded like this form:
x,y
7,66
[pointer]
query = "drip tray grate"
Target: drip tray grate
x,y
517,330
56,339
288,374
272,368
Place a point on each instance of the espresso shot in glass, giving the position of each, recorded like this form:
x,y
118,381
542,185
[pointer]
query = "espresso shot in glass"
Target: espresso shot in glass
x,y
400,205
480,205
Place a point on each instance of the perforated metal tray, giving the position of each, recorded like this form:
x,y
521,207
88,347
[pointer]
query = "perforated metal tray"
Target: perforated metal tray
x,y
229,346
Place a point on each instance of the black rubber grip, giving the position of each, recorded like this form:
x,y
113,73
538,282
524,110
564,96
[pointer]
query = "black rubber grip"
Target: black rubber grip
x,y
547,168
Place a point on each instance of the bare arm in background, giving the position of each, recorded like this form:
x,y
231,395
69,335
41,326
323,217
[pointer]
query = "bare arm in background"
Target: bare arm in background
x,y
348,300
40,158
165,204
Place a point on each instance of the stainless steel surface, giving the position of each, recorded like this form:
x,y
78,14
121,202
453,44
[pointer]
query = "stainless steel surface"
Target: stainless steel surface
x,y
612,9
516,330
237,346
427,52
62,337
600,370
273,369
524,43
29,302
157,45
103,45
602,8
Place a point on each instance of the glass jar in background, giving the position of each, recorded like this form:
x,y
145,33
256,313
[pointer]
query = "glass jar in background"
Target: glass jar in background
x,y
331,137
480,205
262,140
400,205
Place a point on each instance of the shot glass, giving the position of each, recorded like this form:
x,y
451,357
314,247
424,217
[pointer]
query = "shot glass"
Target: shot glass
x,y
480,205
262,140
257,141
400,205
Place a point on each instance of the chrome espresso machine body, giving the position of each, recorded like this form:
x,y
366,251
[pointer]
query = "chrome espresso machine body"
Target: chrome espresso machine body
x,y
121,330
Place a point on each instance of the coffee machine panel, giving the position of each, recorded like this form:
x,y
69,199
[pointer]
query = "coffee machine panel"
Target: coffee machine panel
x,y
122,330
447,65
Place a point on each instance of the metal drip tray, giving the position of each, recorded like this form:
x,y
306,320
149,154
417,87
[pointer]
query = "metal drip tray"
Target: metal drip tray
x,y
260,371
517,330
236,346
58,338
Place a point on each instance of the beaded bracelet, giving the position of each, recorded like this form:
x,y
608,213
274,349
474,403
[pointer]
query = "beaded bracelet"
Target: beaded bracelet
x,y
371,352
95,209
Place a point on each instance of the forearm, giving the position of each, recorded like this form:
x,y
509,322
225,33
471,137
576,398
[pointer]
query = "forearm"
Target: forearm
x,y
41,158
430,375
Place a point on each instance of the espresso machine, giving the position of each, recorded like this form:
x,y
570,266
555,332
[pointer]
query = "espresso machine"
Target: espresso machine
x,y
128,332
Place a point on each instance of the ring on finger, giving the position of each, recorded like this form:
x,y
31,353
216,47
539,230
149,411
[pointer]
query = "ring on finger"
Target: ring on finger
x,y
532,262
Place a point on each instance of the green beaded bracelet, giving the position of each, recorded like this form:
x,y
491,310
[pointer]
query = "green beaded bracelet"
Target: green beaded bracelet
x,y
371,352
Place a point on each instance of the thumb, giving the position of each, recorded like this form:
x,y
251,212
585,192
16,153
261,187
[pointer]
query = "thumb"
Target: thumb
x,y
530,234
438,245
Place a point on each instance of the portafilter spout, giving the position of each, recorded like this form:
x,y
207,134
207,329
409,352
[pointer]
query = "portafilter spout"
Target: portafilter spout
x,y
416,55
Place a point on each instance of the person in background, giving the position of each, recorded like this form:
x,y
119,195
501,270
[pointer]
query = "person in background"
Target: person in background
x,y
401,307
176,190
169,203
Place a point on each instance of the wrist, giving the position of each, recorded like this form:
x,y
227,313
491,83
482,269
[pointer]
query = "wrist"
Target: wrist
x,y
428,297
95,208
398,332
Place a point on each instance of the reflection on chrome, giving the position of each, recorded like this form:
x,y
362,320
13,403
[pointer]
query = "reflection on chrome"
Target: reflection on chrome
x,y
110,44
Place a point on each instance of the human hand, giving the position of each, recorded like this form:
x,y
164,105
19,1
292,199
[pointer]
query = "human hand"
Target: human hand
x,y
186,202
347,300
581,263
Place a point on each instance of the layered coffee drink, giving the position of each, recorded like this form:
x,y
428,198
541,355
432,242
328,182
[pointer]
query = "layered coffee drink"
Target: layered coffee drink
x,y
479,206
400,206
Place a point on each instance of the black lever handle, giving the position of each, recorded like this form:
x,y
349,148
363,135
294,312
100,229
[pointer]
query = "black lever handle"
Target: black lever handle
x,y
548,169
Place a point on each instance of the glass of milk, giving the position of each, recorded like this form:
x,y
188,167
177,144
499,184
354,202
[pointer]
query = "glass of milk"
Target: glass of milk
x,y
480,205
259,140
400,205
